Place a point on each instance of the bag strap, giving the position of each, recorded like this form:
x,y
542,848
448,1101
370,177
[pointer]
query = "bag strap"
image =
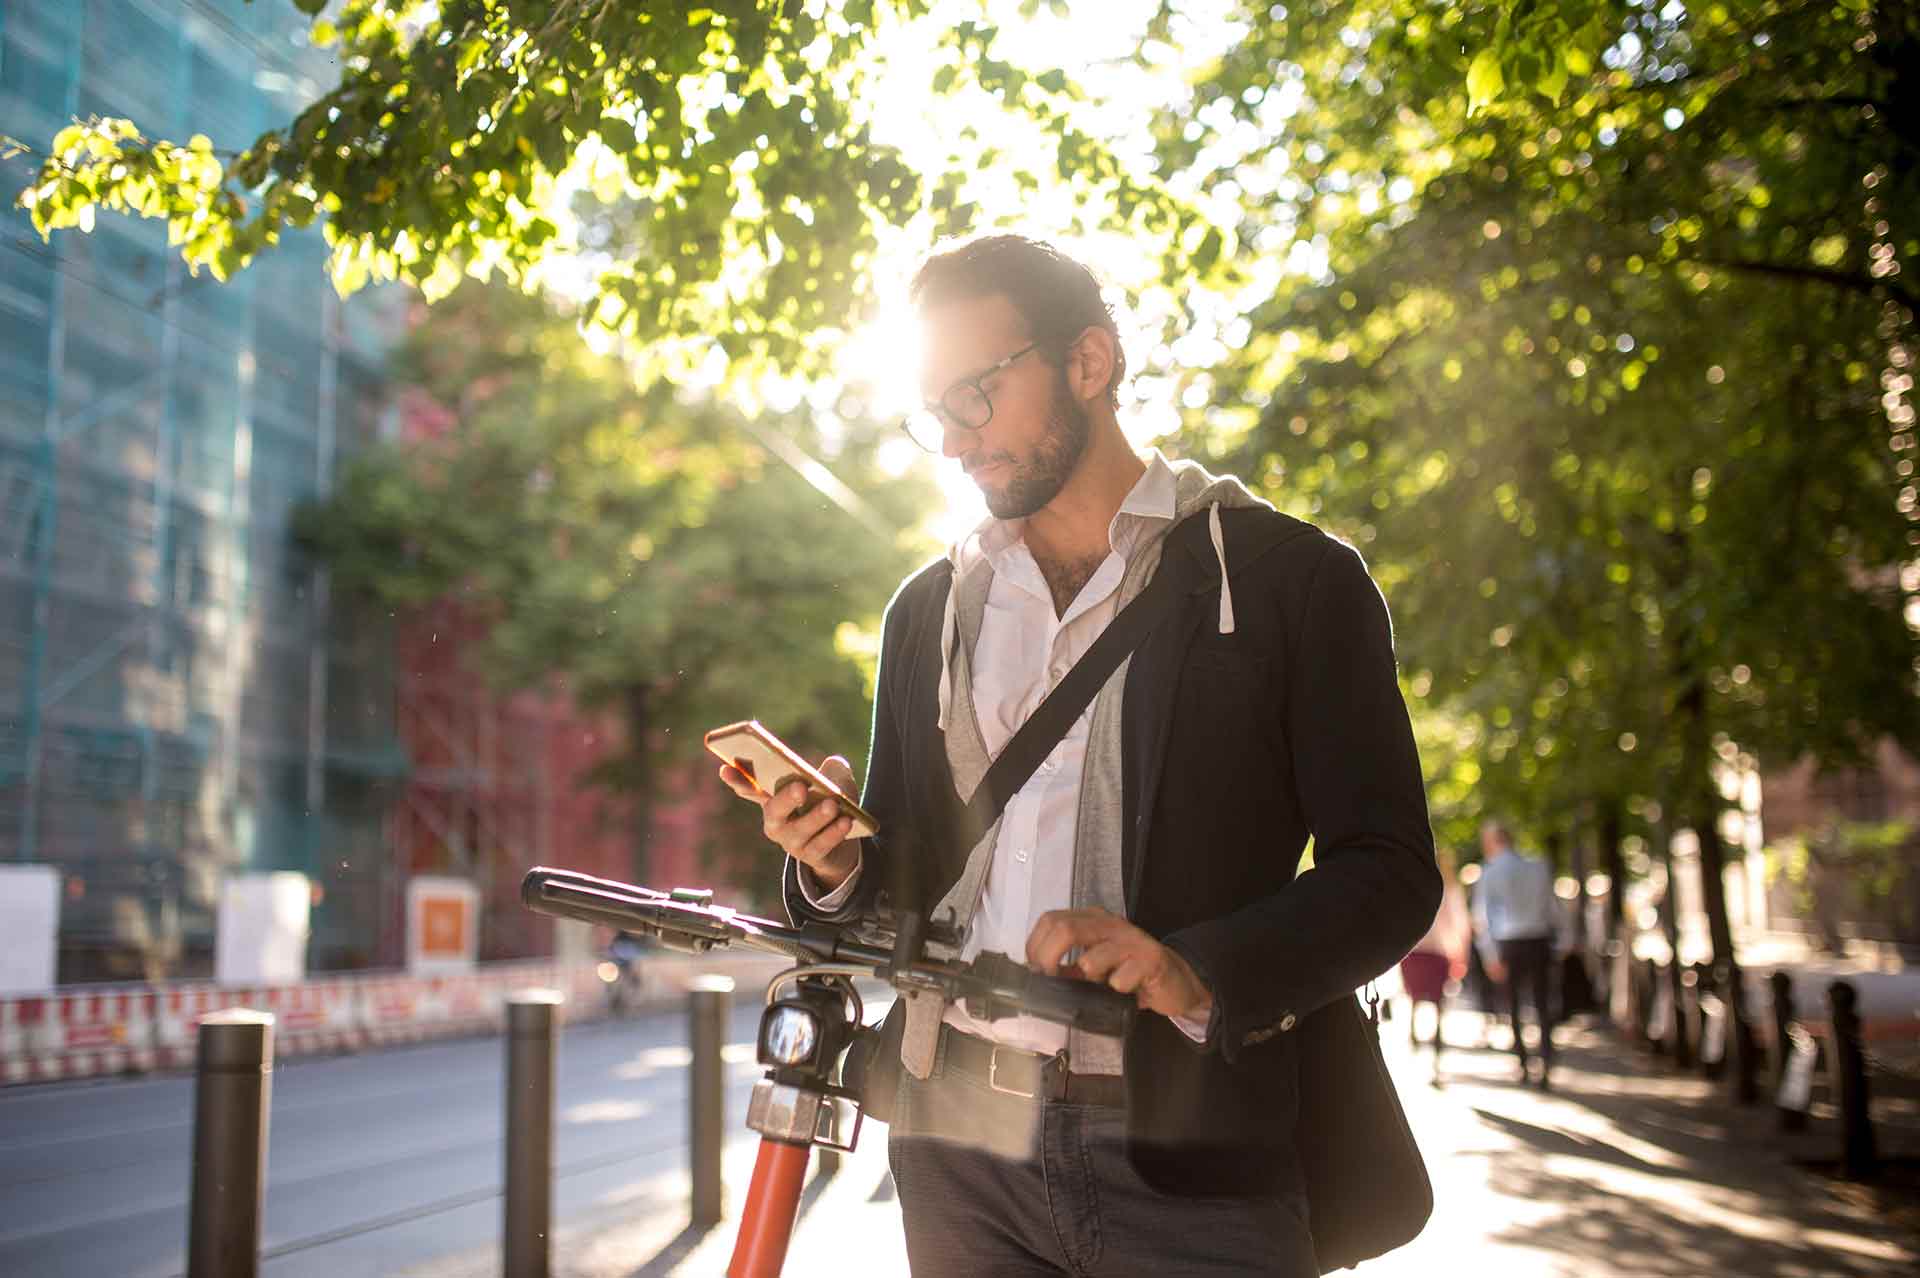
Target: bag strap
x,y
1049,722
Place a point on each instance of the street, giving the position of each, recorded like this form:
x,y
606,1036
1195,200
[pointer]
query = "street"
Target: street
x,y
374,1162
389,1163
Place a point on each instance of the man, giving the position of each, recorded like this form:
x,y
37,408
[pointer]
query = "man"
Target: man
x,y
1514,911
1155,850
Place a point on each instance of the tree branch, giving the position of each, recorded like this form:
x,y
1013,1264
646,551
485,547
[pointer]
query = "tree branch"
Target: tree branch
x,y
1842,280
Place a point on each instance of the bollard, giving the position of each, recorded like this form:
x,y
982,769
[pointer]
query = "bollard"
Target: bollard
x,y
1858,1156
1619,985
707,1007
232,1094
1709,1020
1682,983
1782,987
1646,987
1743,1043
1663,1012
526,1228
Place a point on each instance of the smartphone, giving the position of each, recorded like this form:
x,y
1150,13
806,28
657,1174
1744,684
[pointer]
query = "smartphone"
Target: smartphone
x,y
769,763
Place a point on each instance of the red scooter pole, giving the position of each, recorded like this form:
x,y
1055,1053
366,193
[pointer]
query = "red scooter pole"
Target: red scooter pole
x,y
773,1201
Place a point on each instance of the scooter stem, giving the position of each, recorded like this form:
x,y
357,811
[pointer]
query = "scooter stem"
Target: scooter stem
x,y
773,1200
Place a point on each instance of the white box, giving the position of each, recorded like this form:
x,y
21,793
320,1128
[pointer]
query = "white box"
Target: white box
x,y
261,935
29,927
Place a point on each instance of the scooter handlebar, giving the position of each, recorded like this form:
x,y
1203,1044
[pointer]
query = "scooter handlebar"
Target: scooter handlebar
x,y
992,987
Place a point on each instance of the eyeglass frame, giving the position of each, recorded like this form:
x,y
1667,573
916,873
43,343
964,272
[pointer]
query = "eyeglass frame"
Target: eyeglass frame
x,y
941,413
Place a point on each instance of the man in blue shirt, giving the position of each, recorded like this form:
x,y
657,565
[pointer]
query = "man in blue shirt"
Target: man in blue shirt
x,y
1514,911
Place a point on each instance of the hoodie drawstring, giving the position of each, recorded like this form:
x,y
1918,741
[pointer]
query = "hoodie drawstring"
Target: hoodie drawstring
x,y
949,626
1220,553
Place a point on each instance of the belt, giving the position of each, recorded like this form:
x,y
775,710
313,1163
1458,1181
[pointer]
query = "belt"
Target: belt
x,y
1027,1074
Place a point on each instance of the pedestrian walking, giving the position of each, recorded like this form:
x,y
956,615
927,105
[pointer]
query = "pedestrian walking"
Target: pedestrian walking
x,y
1514,913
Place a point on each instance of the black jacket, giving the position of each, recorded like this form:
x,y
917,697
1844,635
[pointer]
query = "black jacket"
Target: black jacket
x,y
1236,748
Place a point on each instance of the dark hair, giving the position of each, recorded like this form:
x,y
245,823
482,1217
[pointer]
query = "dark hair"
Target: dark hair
x,y
1057,297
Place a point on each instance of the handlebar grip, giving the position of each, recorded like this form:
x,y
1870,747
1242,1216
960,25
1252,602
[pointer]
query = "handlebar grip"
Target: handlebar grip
x,y
1007,988
1098,1009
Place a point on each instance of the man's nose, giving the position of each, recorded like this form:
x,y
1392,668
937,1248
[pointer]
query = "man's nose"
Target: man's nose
x,y
956,441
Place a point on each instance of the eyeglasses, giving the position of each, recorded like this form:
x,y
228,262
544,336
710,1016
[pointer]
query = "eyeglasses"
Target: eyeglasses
x,y
964,404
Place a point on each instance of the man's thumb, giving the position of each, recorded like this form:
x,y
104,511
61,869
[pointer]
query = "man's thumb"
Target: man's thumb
x,y
837,770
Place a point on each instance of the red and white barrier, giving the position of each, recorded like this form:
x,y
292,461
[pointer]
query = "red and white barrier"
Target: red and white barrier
x,y
106,1029
89,1031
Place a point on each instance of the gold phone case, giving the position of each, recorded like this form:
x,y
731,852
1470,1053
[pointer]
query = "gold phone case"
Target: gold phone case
x,y
770,764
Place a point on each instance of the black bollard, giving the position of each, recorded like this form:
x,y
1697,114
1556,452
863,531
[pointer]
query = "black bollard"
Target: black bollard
x,y
1742,1043
1858,1156
232,1093
707,1007
527,1228
1682,982
1781,983
1709,1020
1617,963
1647,987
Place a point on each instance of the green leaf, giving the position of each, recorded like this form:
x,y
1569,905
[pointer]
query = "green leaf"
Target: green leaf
x,y
1484,80
1552,82
617,134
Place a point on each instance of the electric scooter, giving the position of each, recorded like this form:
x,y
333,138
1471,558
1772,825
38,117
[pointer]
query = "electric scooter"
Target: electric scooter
x,y
805,1033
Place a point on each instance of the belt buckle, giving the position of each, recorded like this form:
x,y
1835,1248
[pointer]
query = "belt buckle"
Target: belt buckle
x,y
993,1076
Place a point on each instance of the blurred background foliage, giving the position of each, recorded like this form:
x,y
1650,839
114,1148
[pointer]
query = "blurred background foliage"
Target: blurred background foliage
x,y
1591,322
643,547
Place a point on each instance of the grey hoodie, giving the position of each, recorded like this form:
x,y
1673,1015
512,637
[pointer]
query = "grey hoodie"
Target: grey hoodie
x,y
1096,847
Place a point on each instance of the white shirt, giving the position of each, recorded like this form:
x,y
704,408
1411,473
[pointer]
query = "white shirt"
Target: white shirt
x,y
1022,651
1514,900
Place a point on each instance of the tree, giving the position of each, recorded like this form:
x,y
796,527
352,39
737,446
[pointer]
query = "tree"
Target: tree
x,y
643,546
1583,346
742,130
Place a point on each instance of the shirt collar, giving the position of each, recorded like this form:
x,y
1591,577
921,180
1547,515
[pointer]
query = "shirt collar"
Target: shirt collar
x,y
1151,498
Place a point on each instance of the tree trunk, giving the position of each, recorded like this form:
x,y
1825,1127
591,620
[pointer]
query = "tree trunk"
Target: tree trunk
x,y
1614,865
1679,1043
1703,814
1577,866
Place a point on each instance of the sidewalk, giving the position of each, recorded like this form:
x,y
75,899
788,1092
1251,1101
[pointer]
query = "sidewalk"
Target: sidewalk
x,y
1623,1170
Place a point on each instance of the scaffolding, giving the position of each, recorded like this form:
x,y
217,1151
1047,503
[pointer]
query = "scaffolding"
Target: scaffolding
x,y
179,696
498,782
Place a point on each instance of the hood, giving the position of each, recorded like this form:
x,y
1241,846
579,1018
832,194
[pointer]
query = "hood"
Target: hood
x,y
1194,489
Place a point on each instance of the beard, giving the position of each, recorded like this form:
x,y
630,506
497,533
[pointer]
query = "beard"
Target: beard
x,y
1039,479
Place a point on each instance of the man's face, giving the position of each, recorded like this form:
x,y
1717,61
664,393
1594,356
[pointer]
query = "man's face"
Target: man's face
x,y
1024,454
1491,842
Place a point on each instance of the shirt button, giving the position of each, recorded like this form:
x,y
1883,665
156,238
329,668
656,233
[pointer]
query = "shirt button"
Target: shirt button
x,y
1021,856
1286,1022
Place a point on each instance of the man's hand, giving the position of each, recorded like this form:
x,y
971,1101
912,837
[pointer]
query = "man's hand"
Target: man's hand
x,y
1116,952
1497,970
814,836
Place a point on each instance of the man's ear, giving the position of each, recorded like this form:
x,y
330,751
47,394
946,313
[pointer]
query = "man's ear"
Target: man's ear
x,y
1093,363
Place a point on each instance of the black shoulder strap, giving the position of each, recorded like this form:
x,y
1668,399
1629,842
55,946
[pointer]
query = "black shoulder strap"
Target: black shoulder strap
x,y
1049,722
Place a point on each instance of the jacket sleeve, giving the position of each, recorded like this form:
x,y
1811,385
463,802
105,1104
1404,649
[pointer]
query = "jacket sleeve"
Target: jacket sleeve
x,y
885,794
1374,888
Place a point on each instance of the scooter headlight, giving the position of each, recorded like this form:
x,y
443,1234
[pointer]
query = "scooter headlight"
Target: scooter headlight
x,y
789,1035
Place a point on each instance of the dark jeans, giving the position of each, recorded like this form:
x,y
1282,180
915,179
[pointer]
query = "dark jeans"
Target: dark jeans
x,y
1529,964
993,1185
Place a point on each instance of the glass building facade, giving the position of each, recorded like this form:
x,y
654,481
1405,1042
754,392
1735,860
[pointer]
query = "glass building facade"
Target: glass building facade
x,y
180,698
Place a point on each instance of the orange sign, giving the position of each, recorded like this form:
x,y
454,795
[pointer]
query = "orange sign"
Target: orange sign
x,y
443,928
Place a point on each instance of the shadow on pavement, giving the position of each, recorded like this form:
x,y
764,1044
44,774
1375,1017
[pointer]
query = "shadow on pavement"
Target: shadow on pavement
x,y
669,1258
1595,1230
